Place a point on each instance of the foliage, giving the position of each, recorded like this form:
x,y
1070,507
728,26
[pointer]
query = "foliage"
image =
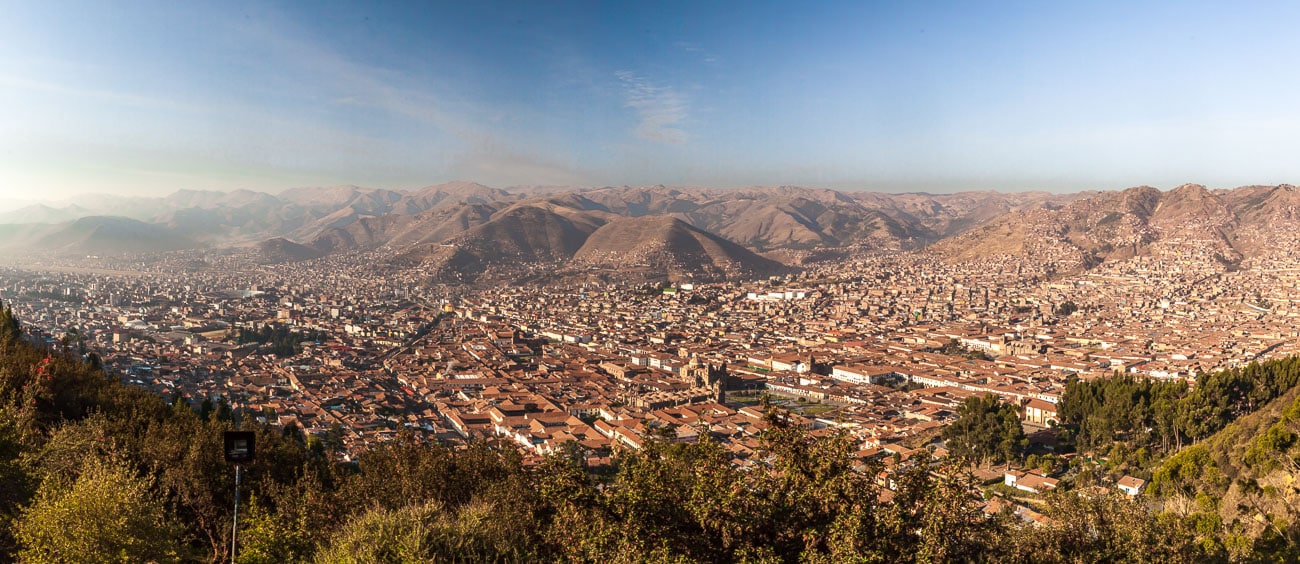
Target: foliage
x,y
955,348
384,535
1143,412
17,482
986,430
1273,448
1221,452
1103,527
106,515
280,340
269,538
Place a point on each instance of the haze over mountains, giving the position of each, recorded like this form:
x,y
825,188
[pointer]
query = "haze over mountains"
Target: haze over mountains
x,y
462,229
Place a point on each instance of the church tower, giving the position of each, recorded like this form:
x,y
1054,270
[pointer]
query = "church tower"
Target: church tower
x,y
694,373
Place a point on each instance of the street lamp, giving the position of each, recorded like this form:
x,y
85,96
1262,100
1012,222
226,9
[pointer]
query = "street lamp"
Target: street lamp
x,y
240,448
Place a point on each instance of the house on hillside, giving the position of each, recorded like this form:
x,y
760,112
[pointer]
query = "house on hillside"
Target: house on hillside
x,y
1032,481
1131,486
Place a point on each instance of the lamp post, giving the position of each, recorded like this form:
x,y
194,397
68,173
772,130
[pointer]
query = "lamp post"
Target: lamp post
x,y
240,448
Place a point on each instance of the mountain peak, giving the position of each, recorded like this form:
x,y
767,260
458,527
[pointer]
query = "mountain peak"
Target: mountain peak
x,y
668,246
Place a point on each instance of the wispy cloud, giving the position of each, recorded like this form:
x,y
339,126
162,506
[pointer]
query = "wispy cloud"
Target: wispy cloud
x,y
696,50
661,109
688,46
351,83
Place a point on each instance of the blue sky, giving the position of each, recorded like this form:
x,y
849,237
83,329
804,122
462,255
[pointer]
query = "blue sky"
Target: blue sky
x,y
150,97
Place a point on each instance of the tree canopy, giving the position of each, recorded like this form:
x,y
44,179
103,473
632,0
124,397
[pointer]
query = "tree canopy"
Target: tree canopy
x,y
107,514
986,430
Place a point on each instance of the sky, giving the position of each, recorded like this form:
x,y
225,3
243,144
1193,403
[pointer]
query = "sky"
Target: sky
x,y
146,98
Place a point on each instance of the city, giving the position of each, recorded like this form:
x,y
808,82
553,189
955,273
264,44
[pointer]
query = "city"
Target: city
x,y
762,282
887,357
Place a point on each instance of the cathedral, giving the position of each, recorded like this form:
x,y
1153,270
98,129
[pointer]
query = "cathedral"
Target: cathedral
x,y
700,375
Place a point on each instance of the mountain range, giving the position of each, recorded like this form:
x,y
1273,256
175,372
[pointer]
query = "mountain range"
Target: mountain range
x,y
1225,225
462,230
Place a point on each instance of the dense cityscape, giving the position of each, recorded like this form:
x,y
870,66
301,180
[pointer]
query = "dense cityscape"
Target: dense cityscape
x,y
885,346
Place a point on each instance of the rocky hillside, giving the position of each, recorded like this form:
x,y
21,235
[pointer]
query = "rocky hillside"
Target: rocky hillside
x,y
1191,221
671,246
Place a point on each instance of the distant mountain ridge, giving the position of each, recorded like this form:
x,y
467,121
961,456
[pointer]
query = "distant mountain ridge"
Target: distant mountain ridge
x,y
471,228
1226,225
42,213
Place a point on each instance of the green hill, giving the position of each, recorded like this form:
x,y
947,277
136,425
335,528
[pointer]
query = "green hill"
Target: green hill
x,y
1239,486
1221,456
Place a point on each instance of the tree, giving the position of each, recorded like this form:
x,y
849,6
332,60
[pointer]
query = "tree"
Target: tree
x,y
1067,308
579,524
1101,528
431,532
107,514
185,453
10,330
267,538
382,535
17,482
986,430
817,505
